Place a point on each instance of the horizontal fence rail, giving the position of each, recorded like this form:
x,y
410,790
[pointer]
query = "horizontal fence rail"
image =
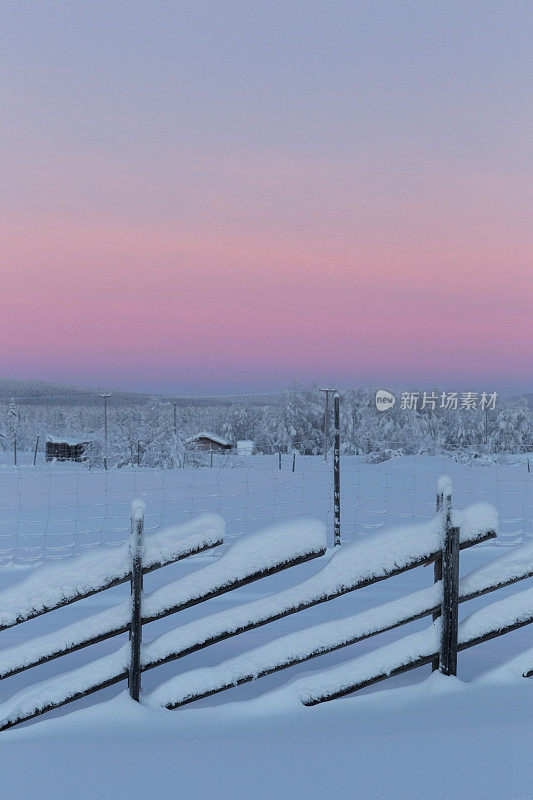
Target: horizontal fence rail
x,y
362,563
325,638
248,560
425,647
50,588
324,586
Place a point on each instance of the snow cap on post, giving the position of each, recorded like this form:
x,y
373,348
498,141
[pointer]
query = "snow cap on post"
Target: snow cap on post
x,y
444,485
138,507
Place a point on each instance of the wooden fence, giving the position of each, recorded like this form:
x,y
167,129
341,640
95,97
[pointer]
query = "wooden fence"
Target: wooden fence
x,y
351,568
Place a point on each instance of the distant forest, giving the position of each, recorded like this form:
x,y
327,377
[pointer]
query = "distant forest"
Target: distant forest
x,y
152,431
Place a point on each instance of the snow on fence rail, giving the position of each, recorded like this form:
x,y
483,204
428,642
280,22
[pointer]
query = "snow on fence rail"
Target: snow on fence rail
x,y
246,561
55,511
440,642
417,650
352,566
317,640
54,586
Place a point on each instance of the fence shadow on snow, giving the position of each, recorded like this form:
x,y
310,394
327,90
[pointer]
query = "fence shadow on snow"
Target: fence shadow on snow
x,y
352,566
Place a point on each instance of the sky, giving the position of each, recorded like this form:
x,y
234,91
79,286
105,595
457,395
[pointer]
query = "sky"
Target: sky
x,y
227,196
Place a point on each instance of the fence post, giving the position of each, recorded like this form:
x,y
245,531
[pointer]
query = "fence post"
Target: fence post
x,y
450,589
136,545
437,571
279,459
337,473
293,461
35,451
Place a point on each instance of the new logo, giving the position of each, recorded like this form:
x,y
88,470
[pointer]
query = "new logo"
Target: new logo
x,y
384,400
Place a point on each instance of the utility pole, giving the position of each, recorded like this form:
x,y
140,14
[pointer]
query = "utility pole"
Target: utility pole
x,y
175,417
326,418
105,395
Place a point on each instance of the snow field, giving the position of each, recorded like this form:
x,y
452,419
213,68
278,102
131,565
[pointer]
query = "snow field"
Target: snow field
x,y
361,743
55,511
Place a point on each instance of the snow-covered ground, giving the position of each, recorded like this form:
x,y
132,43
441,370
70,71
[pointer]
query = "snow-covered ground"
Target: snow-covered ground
x,y
54,511
438,740
415,736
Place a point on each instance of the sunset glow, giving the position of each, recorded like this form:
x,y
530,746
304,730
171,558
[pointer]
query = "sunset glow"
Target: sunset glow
x,y
318,224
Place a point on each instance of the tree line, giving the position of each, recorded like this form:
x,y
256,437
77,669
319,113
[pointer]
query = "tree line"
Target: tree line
x,y
154,434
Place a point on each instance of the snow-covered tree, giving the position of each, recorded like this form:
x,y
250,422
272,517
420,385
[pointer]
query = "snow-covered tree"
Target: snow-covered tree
x,y
512,430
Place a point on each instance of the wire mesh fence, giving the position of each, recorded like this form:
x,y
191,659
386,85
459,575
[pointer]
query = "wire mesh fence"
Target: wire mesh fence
x,y
57,510
264,464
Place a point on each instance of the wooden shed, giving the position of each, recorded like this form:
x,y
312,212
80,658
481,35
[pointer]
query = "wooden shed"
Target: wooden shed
x,y
210,441
64,448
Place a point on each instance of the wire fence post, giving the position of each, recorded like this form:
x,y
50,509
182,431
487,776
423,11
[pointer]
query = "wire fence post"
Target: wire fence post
x,y
337,472
450,589
136,545
327,390
105,396
326,419
35,451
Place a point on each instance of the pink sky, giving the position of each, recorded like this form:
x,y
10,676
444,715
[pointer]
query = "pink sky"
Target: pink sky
x,y
244,262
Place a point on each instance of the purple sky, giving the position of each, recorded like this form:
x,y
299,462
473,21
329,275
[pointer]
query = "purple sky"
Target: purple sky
x,y
217,197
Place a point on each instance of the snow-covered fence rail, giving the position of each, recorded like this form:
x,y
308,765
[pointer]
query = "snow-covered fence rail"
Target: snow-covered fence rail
x,y
353,567
247,560
318,640
54,586
362,563
440,642
418,650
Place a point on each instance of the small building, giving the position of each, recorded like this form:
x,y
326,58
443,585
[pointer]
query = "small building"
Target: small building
x,y
245,447
63,448
210,441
